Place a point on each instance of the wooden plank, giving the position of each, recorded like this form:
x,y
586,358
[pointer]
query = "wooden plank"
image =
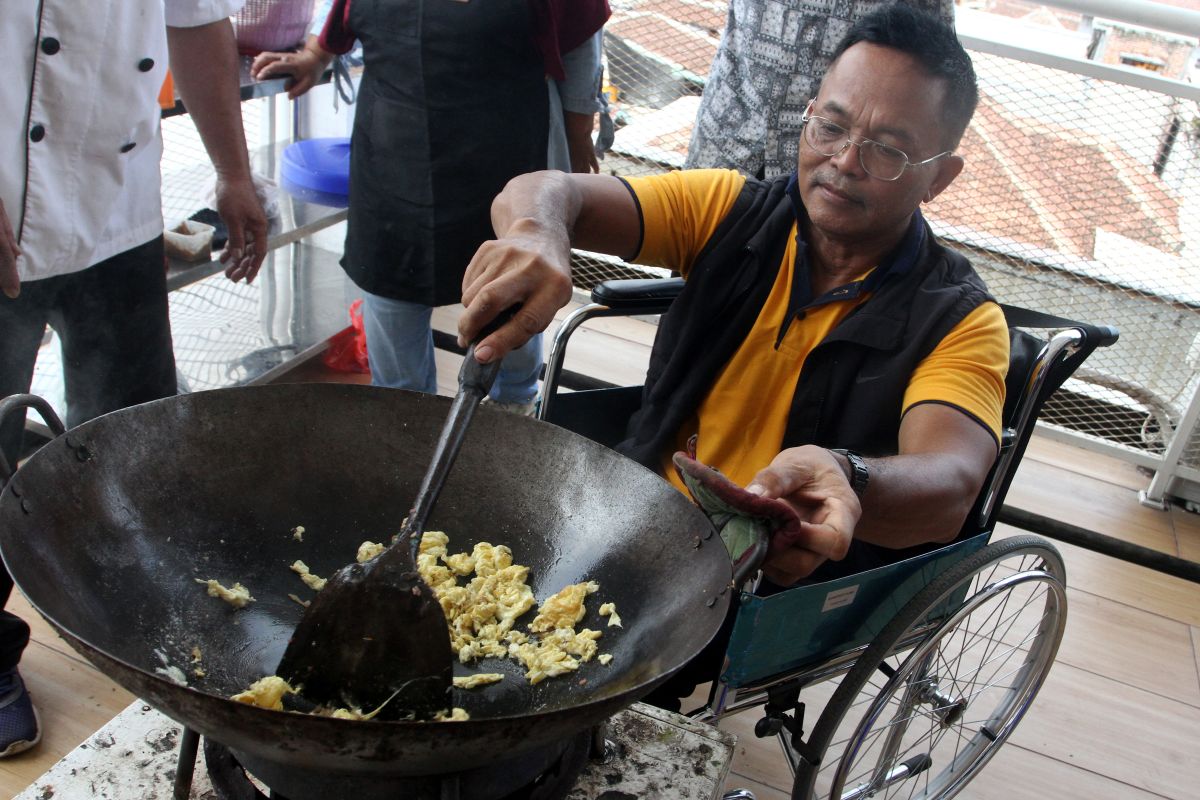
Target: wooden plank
x,y
1151,652
1017,773
39,629
1123,733
1140,587
1082,461
1187,533
1196,646
1089,503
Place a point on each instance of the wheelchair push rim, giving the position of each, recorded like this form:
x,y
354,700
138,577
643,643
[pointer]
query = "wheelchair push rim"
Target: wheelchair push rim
x,y
924,728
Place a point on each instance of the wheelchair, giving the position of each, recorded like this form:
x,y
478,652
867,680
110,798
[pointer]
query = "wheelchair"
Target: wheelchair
x,y
924,666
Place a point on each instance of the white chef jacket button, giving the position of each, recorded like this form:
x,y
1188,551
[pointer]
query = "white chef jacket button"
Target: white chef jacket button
x,y
125,148
50,45
146,64
37,133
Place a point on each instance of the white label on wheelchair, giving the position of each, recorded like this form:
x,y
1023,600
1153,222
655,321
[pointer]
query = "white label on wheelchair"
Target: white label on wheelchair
x,y
839,598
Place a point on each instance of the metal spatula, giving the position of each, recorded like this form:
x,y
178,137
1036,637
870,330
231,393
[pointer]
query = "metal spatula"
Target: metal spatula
x,y
376,635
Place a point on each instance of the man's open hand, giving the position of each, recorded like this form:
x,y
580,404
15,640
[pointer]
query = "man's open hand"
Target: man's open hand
x,y
811,480
304,67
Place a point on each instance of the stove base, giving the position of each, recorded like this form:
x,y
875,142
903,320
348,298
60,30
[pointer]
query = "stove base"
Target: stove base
x,y
654,754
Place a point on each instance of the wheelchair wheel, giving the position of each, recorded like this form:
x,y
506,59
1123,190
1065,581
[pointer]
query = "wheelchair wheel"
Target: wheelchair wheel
x,y
942,687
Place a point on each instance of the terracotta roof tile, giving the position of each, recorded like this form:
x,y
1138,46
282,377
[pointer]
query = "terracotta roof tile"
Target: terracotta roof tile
x,y
1052,187
706,16
690,48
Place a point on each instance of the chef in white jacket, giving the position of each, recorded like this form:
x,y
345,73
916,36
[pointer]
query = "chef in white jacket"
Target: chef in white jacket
x,y
81,223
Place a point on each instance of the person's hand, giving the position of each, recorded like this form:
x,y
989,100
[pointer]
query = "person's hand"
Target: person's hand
x,y
240,209
524,267
304,67
812,481
10,282
580,147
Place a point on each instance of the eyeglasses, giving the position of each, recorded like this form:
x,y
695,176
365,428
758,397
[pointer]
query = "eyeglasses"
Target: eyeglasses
x,y
878,160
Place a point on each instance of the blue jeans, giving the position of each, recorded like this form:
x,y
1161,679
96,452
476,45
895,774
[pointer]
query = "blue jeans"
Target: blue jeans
x,y
400,352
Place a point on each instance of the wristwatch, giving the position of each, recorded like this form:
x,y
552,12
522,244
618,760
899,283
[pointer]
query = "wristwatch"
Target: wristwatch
x,y
860,476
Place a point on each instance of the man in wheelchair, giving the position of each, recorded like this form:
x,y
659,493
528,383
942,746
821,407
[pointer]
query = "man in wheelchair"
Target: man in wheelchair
x,y
827,352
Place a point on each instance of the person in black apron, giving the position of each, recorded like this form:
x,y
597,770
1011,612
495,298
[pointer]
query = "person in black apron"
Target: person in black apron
x,y
453,104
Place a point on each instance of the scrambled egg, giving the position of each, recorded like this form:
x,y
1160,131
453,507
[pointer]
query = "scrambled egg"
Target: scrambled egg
x,y
197,670
367,551
269,692
558,652
454,715
478,679
266,692
298,533
310,580
564,609
482,614
610,610
237,595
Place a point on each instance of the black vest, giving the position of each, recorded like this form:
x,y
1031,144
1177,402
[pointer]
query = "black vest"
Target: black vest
x,y
453,104
850,390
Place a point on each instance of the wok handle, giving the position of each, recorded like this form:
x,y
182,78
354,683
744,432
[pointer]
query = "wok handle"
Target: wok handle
x,y
19,402
747,567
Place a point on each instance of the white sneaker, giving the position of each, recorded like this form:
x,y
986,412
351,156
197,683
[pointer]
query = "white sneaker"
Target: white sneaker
x,y
526,409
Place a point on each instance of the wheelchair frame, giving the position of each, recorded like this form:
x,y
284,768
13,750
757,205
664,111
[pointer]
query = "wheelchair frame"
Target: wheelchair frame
x,y
904,710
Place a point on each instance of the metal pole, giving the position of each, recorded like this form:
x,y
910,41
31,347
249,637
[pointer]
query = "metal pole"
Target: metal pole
x,y
1138,12
1155,495
1100,543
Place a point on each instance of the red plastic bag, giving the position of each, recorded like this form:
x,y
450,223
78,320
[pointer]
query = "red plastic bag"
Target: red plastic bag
x,y
348,349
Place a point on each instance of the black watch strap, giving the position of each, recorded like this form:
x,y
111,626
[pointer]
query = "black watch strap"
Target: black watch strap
x,y
860,476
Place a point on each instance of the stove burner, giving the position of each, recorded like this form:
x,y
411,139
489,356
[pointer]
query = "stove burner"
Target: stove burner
x,y
547,774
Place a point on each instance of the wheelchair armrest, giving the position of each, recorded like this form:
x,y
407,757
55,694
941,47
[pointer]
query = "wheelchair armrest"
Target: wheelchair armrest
x,y
638,295
1108,336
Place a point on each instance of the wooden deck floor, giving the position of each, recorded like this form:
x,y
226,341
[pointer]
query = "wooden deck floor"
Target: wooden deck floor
x,y
1119,716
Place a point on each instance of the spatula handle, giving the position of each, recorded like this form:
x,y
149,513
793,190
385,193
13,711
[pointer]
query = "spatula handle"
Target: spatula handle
x,y
474,382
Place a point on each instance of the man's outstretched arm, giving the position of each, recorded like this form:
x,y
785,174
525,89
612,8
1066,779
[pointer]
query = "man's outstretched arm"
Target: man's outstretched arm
x,y
204,64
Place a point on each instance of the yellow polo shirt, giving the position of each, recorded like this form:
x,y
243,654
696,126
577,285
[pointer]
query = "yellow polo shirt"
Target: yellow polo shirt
x,y
741,422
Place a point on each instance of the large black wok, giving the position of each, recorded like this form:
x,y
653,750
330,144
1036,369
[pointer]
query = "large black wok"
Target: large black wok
x,y
107,527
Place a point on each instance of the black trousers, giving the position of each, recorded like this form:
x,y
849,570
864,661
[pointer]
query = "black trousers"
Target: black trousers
x,y
116,352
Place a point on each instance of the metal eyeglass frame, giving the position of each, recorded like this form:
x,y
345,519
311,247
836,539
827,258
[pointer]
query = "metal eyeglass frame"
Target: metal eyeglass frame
x,y
808,116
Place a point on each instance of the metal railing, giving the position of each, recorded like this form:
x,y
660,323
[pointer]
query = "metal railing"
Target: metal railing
x,y
1081,195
